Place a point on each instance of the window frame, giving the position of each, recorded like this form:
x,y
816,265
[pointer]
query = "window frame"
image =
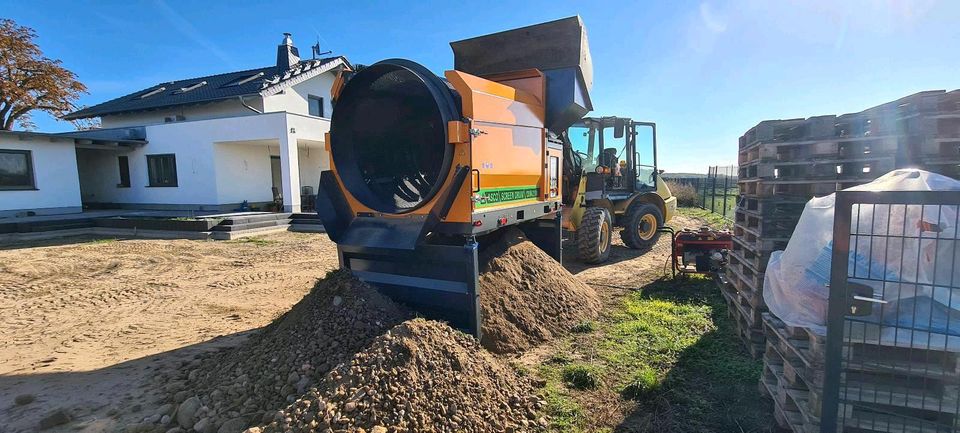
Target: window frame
x,y
319,99
31,172
151,175
123,164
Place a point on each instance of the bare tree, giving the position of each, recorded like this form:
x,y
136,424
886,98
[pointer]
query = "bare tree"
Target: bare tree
x,y
29,81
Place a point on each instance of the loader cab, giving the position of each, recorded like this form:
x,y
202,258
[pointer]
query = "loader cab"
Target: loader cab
x,y
618,153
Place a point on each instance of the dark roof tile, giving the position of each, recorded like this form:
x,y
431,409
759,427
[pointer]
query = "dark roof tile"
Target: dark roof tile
x,y
218,87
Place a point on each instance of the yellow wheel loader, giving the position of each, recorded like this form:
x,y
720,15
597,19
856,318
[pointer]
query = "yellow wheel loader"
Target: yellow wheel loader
x,y
611,180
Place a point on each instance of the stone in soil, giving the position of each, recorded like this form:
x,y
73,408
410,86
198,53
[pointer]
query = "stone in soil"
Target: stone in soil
x,y
281,362
420,376
53,419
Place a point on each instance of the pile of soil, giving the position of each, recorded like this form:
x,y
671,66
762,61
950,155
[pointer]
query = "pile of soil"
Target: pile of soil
x,y
421,376
250,383
526,297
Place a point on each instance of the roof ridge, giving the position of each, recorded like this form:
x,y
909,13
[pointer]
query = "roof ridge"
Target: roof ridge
x,y
322,60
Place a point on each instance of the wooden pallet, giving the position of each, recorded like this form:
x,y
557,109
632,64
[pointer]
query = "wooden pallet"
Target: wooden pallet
x,y
799,403
799,189
744,268
790,404
751,337
766,227
771,207
768,207
835,169
756,251
864,352
842,148
876,378
750,295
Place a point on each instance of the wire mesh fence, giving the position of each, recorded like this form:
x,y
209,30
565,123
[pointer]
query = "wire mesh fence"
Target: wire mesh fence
x,y
892,354
716,191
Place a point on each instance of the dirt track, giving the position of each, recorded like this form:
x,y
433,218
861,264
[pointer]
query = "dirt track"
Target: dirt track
x,y
87,325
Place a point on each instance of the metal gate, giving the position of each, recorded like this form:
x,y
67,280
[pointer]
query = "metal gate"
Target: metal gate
x,y
892,355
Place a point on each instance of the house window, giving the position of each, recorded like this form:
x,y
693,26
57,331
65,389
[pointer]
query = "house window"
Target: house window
x,y
315,105
162,169
124,172
16,170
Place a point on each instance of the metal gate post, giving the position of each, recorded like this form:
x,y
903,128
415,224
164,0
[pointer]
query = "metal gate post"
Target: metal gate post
x,y
836,310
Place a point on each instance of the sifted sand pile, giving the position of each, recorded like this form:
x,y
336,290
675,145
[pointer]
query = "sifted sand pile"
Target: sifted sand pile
x,y
248,384
421,376
528,298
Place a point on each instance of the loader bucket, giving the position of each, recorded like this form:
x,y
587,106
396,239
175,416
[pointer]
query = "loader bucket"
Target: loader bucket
x,y
558,48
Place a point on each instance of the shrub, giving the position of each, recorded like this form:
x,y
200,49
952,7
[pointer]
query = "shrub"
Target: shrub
x,y
686,194
581,376
643,384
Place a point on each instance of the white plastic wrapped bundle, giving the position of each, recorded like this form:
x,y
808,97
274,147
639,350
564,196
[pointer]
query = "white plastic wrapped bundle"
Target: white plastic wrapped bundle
x,y
908,255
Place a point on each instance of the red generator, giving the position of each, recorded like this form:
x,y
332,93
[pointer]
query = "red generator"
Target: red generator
x,y
702,251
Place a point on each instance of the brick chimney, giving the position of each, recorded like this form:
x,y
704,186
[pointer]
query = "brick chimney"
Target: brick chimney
x,y
287,54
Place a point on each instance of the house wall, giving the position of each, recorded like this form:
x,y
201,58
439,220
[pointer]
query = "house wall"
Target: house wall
x,y
220,162
55,178
212,110
243,172
294,99
313,160
196,182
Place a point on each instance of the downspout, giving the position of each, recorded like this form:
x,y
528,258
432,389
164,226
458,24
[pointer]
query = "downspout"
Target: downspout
x,y
244,103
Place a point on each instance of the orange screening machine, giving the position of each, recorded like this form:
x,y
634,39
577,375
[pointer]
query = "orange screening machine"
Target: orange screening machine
x,y
425,170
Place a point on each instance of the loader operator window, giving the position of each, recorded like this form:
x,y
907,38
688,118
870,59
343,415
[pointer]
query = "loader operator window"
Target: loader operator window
x,y
614,157
646,165
583,140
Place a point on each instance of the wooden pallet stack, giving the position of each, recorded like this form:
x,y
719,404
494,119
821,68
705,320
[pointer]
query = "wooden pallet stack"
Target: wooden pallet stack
x,y
784,163
884,388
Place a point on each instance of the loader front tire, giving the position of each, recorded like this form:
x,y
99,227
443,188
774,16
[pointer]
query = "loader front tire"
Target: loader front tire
x,y
593,235
640,226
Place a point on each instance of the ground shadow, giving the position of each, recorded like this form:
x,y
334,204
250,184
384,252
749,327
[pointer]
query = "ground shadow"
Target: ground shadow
x,y
57,241
98,400
618,253
713,386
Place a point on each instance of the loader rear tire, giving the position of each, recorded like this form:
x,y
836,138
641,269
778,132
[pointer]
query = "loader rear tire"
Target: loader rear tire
x,y
593,235
640,226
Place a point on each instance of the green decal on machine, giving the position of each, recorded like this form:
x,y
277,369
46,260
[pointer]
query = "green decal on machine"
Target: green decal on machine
x,y
495,196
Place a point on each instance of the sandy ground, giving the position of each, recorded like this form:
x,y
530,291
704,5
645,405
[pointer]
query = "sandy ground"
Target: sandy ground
x,y
86,324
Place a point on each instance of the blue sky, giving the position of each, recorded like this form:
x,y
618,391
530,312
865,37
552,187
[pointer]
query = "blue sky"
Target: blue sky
x,y
705,71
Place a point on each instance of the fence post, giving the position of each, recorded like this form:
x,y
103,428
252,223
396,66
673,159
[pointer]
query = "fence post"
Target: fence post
x,y
713,191
726,188
703,204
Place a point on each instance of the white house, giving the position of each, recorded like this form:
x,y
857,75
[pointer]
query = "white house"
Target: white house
x,y
206,143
